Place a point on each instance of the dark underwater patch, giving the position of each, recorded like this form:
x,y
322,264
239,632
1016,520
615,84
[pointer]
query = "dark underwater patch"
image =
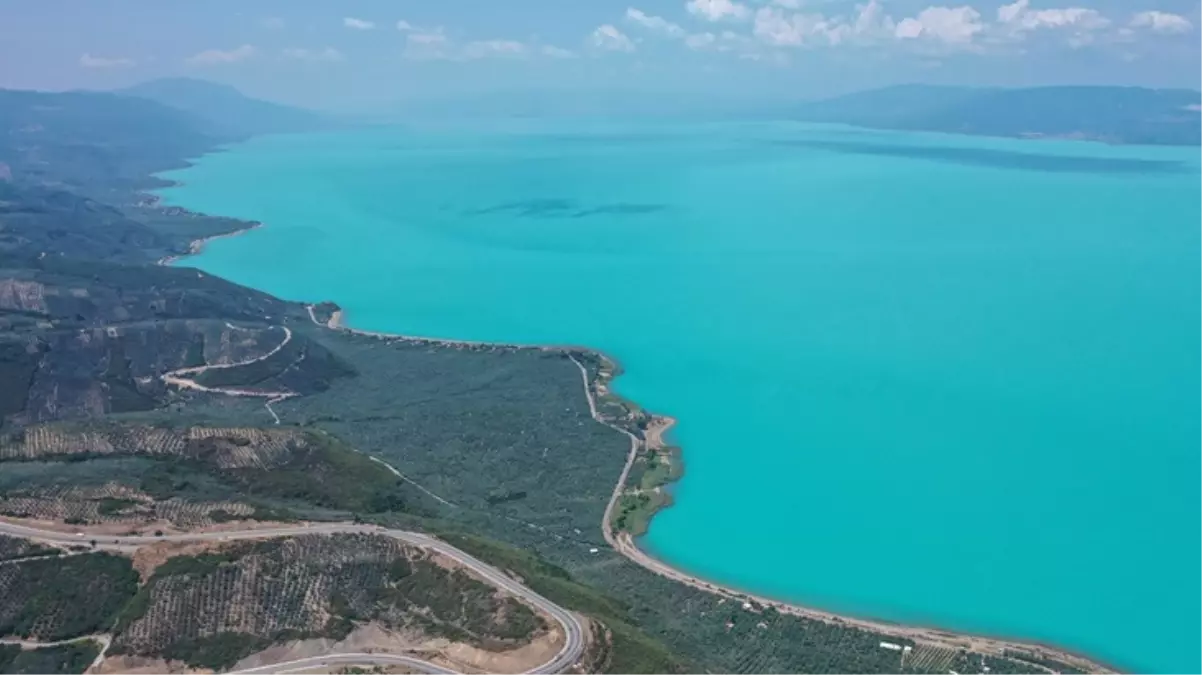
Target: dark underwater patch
x,y
565,208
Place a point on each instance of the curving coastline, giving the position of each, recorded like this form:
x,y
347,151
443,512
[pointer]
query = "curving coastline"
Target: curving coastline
x,y
599,387
198,245
626,545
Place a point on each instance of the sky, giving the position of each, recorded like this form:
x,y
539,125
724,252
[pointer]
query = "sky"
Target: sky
x,y
369,54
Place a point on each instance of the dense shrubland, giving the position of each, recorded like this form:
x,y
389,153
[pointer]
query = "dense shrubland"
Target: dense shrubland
x,y
51,599
73,657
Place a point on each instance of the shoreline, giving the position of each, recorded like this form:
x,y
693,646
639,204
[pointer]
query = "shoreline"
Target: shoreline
x,y
627,545
196,246
624,544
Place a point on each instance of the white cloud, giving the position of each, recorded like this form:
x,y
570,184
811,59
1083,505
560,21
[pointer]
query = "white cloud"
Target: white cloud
x,y
1017,19
213,57
409,28
1020,16
486,49
654,23
1012,13
427,46
867,25
950,25
327,55
725,42
871,21
554,52
611,39
89,61
718,10
779,29
273,23
357,24
1161,22
791,23
435,45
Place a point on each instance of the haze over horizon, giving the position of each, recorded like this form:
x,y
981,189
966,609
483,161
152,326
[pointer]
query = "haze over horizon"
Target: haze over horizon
x,y
372,54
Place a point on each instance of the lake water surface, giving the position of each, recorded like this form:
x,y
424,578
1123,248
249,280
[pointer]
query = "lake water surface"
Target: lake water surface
x,y
933,379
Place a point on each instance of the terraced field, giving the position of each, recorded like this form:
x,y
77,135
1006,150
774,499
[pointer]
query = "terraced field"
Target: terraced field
x,y
224,448
188,476
117,503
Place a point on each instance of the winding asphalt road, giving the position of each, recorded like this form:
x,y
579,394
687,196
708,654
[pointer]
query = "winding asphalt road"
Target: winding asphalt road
x,y
573,629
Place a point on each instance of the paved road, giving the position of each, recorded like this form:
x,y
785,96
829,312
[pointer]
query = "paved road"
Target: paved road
x,y
573,630
325,663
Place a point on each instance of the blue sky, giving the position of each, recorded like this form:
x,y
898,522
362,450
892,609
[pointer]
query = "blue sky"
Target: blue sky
x,y
369,53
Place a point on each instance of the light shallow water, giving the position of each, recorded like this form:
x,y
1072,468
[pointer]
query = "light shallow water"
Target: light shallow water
x,y
932,379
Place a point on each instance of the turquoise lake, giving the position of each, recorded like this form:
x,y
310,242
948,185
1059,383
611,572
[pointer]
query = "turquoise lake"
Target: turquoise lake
x,y
932,379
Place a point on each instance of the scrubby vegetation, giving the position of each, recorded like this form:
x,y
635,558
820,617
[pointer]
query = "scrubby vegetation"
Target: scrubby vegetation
x,y
325,472
51,599
472,425
213,609
190,476
74,657
647,489
301,366
659,621
15,548
218,651
631,651
1013,662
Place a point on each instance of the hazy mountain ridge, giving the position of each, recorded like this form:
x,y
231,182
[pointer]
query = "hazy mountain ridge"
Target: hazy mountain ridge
x,y
225,111
1129,115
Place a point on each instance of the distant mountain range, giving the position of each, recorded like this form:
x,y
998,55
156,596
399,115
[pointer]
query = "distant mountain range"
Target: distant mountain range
x,y
1132,115
225,111
1111,114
